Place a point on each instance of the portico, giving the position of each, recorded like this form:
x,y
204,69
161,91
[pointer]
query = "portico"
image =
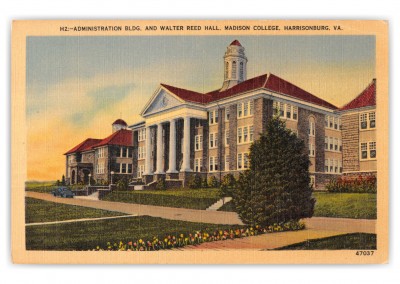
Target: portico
x,y
169,125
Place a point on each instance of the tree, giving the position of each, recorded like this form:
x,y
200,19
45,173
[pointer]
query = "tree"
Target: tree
x,y
63,180
227,185
276,188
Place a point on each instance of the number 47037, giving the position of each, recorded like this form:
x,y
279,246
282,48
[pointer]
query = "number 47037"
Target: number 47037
x,y
365,252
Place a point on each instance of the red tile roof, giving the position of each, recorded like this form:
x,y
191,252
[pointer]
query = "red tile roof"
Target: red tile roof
x,y
235,42
84,146
270,82
121,137
366,98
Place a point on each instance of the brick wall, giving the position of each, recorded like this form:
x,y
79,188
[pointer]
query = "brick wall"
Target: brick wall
x,y
350,142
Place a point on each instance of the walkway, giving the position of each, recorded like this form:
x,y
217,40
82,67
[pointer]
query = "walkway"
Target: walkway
x,y
78,220
317,227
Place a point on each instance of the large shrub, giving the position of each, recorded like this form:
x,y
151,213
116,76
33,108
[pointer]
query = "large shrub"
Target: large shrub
x,y
213,182
161,184
227,185
352,185
194,181
122,184
276,188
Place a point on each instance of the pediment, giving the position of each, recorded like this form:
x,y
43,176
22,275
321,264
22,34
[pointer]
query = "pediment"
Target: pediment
x,y
163,100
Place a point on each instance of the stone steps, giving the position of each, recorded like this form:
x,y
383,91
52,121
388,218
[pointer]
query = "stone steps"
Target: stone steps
x,y
219,204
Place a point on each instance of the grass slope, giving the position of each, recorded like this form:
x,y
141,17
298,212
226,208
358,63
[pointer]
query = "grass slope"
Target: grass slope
x,y
44,211
355,241
181,198
88,235
339,205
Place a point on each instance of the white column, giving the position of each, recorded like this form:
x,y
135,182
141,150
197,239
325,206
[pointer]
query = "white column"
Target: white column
x,y
186,145
172,147
148,169
160,162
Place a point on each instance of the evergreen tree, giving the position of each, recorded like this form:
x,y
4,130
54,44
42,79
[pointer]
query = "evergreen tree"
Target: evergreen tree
x,y
276,188
63,180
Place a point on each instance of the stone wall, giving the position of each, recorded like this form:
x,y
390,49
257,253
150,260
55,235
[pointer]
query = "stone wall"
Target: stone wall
x,y
303,125
350,142
262,113
233,137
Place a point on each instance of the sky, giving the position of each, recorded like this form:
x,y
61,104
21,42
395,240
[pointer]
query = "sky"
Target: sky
x,y
78,86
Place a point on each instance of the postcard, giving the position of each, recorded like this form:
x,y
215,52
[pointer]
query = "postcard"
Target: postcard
x,y
200,142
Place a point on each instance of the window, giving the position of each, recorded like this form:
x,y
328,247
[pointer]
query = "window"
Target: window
x,y
251,107
330,165
213,164
326,142
141,153
335,123
372,150
311,127
213,117
243,161
197,165
281,109
123,168
241,75
245,134
330,122
245,109
364,150
288,111
140,171
239,110
363,121
198,144
239,135
336,144
371,119
275,107
234,70
295,112
101,152
331,143
335,165
100,168
326,165
312,181
251,133
213,140
129,168
227,163
311,150
226,69
123,152
340,166
227,114
340,145
246,160
226,137
239,161
142,134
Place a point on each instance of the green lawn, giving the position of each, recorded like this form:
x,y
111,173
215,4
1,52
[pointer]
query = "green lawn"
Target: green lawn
x,y
44,211
181,198
88,235
339,205
40,186
345,205
355,241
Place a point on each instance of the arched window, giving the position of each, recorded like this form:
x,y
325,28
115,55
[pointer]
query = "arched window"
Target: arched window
x,y
234,70
226,70
241,75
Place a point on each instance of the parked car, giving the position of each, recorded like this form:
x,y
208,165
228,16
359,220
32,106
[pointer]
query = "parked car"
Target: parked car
x,y
63,192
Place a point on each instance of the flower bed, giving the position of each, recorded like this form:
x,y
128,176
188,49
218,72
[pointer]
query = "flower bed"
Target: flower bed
x,y
359,184
199,237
